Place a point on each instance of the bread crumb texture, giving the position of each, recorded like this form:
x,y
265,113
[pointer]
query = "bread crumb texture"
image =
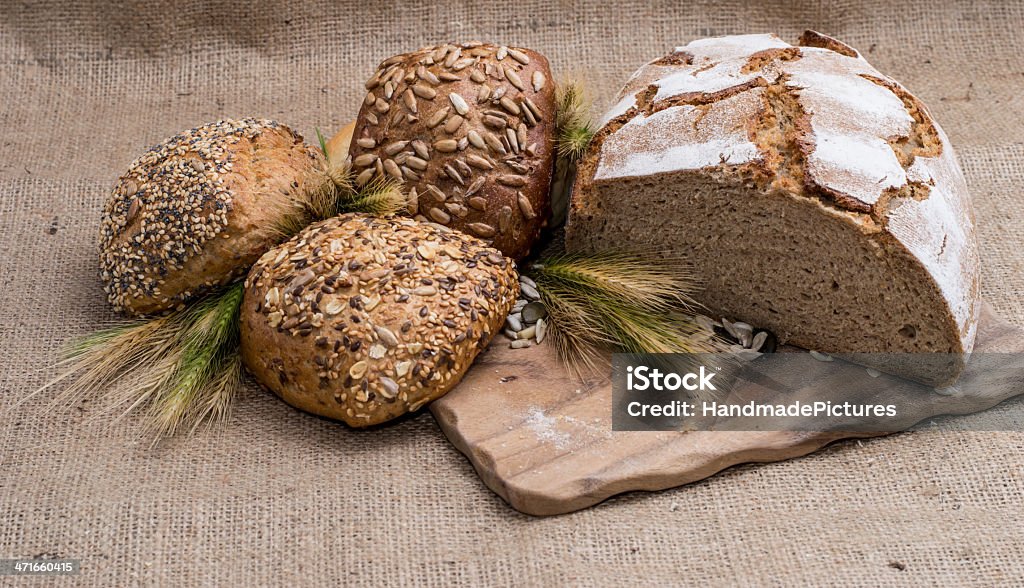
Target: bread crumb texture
x,y
363,319
196,210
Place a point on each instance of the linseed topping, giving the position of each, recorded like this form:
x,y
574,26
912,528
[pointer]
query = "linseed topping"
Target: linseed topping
x,y
396,309
171,201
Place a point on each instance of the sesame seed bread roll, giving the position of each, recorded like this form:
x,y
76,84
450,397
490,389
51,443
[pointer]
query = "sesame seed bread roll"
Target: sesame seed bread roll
x,y
470,131
195,211
363,319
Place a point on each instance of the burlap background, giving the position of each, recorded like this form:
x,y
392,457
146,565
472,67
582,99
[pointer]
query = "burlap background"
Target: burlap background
x,y
282,498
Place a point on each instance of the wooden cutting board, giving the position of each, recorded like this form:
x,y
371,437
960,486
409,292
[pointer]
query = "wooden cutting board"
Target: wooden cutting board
x,y
545,443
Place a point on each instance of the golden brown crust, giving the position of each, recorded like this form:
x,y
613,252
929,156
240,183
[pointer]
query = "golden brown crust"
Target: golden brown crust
x,y
196,211
363,319
470,130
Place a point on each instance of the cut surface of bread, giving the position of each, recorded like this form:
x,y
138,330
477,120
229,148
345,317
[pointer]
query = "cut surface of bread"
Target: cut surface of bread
x,y
815,197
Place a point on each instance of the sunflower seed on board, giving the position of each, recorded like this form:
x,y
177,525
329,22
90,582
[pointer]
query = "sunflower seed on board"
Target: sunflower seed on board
x,y
520,344
820,356
542,329
529,291
510,334
524,279
744,333
514,322
519,305
873,373
533,312
527,333
947,391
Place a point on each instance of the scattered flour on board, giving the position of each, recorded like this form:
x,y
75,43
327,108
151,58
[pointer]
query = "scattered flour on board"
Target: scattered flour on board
x,y
564,432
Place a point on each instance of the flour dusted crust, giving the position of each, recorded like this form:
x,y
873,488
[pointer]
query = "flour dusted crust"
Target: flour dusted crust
x,y
469,129
363,319
814,121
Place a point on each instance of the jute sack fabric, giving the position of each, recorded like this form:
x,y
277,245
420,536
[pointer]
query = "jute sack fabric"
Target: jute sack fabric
x,y
281,498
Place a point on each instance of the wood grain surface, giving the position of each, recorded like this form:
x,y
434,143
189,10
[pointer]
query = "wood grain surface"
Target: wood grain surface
x,y
544,442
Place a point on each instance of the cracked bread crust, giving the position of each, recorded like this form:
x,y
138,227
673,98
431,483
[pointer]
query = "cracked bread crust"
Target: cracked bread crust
x,y
814,123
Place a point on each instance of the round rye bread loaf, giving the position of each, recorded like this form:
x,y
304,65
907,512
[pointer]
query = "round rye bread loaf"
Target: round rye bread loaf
x,y
363,319
815,197
195,211
470,131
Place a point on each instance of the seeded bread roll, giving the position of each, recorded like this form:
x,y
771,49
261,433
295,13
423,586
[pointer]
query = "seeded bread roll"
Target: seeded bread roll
x,y
363,319
816,198
470,129
197,210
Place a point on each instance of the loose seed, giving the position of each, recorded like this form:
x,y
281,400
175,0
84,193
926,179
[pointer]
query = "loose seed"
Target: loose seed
x,y
821,356
534,311
542,329
519,344
527,333
529,292
514,323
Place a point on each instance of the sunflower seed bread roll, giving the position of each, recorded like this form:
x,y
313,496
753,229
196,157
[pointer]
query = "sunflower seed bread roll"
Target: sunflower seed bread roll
x,y
195,211
470,130
363,319
815,196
